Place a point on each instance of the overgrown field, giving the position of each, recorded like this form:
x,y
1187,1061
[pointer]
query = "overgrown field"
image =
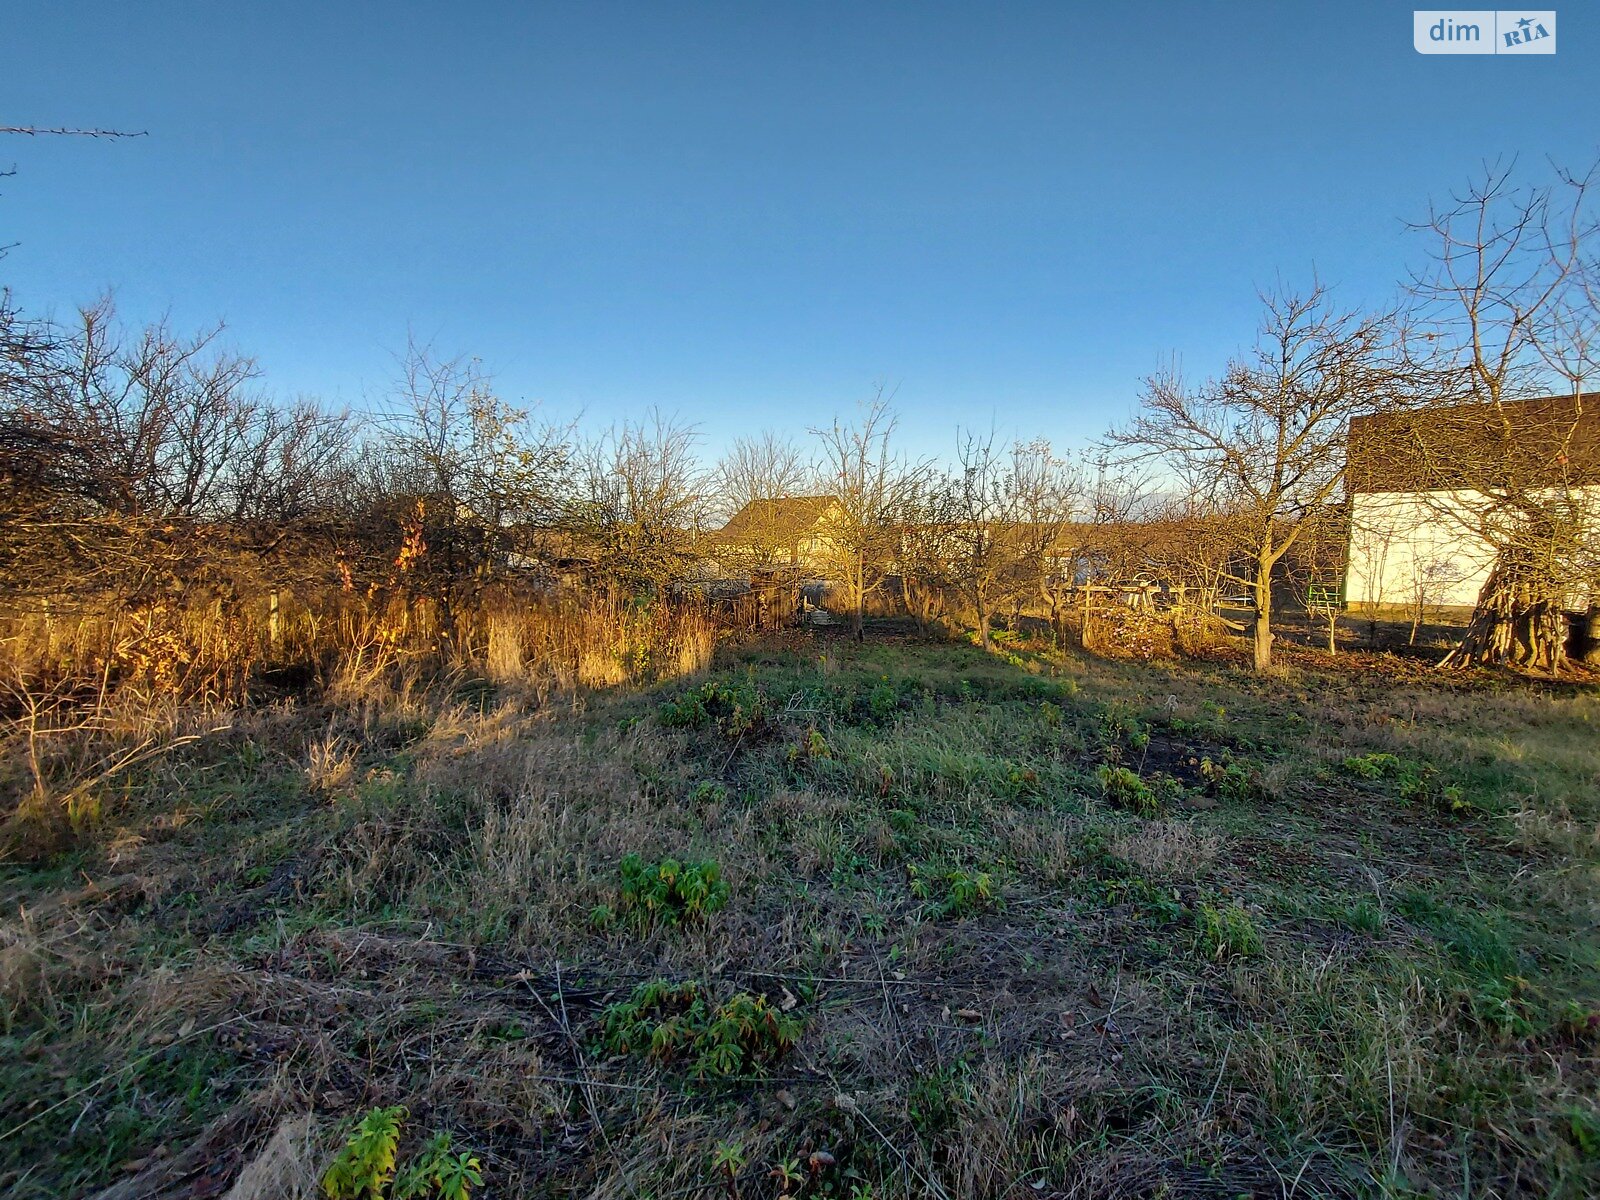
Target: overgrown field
x,y
902,919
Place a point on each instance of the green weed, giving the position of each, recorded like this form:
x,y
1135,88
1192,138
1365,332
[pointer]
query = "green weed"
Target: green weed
x,y
1124,789
675,1022
363,1168
1415,783
670,892
735,710
951,892
1226,931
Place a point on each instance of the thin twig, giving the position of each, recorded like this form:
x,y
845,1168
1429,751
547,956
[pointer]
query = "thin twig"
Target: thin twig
x,y
39,131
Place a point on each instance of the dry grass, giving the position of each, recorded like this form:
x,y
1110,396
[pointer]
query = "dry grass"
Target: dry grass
x,y
88,701
400,896
1176,848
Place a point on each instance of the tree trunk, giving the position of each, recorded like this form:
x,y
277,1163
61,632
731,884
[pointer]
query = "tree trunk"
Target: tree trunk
x,y
983,621
1263,624
861,599
1589,645
1517,621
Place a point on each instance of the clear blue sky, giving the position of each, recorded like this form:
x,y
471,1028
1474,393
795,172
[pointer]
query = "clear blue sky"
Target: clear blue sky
x,y
747,213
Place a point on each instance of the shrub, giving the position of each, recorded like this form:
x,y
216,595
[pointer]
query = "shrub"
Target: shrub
x,y
670,892
674,1022
1226,931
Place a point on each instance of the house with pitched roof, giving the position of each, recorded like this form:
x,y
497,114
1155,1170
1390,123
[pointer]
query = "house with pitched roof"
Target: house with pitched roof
x,y
1424,485
785,531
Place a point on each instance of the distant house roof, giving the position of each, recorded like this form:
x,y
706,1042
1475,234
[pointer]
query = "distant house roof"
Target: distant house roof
x,y
781,519
1537,442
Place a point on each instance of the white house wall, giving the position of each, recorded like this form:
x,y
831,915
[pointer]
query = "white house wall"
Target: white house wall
x,y
1410,545
1403,543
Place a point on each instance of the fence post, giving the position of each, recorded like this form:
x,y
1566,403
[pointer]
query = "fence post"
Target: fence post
x,y
274,621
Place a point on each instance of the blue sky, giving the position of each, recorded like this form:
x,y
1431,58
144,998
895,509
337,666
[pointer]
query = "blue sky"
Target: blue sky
x,y
749,213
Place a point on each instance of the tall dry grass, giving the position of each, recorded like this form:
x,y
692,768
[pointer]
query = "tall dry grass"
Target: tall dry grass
x,y
88,698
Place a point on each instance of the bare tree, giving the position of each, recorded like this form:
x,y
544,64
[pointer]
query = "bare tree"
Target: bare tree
x,y
641,504
872,484
59,131
463,474
1009,508
1267,440
119,449
1315,569
1108,535
1509,300
928,548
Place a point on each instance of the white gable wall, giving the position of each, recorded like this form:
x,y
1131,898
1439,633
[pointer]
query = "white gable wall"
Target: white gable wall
x,y
1403,542
1407,545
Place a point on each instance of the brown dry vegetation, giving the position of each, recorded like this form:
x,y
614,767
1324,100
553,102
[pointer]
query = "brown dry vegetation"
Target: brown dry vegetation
x,y
1052,925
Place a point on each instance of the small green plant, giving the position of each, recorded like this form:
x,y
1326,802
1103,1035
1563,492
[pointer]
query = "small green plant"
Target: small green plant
x,y
1021,781
1364,916
1050,713
708,791
883,702
366,1163
728,1158
788,1174
1119,724
1579,1022
437,1171
934,1098
812,748
1584,1127
1226,931
953,892
1416,783
675,1022
1484,951
670,892
1124,789
1372,766
367,1167
1231,780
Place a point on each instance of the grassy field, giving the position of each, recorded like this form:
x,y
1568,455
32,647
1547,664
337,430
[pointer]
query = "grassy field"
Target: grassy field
x,y
925,921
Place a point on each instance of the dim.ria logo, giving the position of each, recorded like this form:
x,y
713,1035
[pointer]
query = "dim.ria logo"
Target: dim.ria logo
x,y
1484,31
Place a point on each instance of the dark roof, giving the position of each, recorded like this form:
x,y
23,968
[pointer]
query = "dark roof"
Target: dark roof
x,y
781,519
1542,441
